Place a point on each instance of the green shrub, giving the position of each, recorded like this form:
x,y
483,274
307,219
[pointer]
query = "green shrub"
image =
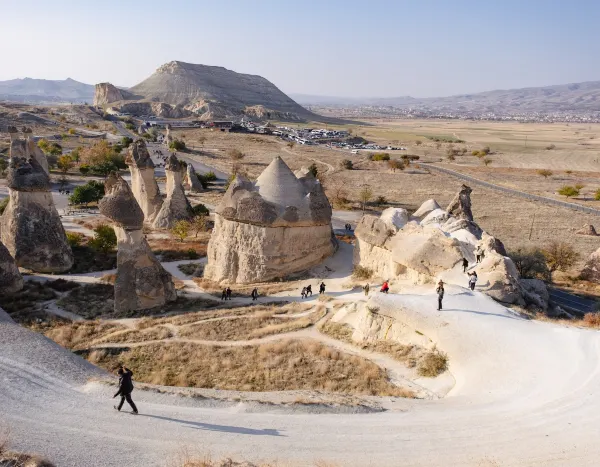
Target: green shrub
x,y
312,168
84,169
126,141
74,239
104,239
347,164
209,176
531,263
380,156
200,209
90,192
568,191
177,145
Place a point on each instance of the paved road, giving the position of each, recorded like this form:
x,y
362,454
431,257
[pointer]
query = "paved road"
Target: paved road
x,y
513,192
572,302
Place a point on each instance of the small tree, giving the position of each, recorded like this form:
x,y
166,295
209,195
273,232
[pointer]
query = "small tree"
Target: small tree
x,y
90,192
181,230
104,239
312,168
74,239
347,164
486,150
568,191
126,141
560,256
394,164
177,145
531,263
486,161
65,163
380,200
545,173
364,195
199,224
418,142
200,209
201,140
236,154
579,186
597,195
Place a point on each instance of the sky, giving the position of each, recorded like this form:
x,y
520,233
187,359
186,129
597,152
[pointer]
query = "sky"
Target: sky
x,y
351,48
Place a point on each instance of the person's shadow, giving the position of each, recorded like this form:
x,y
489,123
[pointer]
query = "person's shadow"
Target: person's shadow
x,y
224,428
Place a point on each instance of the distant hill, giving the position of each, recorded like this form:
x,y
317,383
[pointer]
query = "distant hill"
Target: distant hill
x,y
574,97
44,90
179,89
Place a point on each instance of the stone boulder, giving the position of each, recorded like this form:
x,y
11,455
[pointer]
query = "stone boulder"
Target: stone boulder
x,y
436,217
591,270
277,226
143,184
176,206
373,230
192,183
10,278
395,218
106,93
31,228
141,282
535,293
426,208
460,206
498,277
587,229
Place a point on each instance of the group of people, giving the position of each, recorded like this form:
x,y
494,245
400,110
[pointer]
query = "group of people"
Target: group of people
x,y
472,281
62,191
308,290
226,294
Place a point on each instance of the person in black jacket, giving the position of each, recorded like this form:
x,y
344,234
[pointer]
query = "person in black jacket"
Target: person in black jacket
x,y
125,389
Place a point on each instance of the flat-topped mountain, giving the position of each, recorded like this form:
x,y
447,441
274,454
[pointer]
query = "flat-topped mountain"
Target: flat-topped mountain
x,y
179,89
46,90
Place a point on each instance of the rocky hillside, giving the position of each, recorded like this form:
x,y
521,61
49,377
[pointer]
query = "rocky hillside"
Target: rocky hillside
x,y
184,89
44,90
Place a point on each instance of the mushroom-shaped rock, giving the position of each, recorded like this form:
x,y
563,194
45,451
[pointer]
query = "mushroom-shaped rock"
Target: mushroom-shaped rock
x,y
277,226
31,228
119,204
460,206
143,184
176,206
141,282
10,278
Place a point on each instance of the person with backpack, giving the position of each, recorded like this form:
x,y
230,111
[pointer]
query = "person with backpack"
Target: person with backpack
x,y
303,293
472,280
385,287
254,294
322,288
465,264
228,294
440,294
125,389
309,290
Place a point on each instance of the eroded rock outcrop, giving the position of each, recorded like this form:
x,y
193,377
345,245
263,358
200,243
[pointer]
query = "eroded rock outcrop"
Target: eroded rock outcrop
x,y
141,282
27,147
143,184
432,245
277,226
176,206
591,270
588,229
10,278
31,228
106,93
192,183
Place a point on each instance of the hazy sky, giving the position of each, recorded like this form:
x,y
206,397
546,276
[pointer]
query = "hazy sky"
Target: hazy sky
x,y
327,47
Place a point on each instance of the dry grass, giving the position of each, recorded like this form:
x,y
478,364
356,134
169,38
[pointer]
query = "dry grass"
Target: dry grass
x,y
174,250
241,290
90,300
432,363
280,366
10,458
81,334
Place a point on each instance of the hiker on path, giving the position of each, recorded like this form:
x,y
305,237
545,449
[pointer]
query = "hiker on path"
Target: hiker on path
x,y
228,294
465,264
309,290
472,280
366,288
385,287
125,389
322,288
224,295
303,293
254,294
440,294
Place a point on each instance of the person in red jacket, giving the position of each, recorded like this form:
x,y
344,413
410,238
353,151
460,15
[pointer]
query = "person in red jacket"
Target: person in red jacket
x,y
385,287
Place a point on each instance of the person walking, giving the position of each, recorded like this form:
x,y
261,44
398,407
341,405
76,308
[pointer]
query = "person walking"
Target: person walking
x,y
303,293
228,294
309,290
440,294
478,255
465,264
366,288
254,294
322,288
385,287
125,389
472,280
224,295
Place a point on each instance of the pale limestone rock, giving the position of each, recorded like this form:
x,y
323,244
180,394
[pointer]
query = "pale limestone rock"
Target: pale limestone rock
x,y
498,277
437,217
396,218
141,282
27,148
31,228
176,206
426,208
587,229
192,183
168,137
535,293
143,184
275,227
10,277
591,270
460,206
106,93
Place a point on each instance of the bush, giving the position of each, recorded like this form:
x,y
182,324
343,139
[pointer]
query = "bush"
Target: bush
x,y
550,147
209,176
126,141
592,320
544,173
53,149
380,200
200,209
236,154
177,145
432,364
181,230
394,164
597,195
130,126
531,263
84,169
104,239
360,272
568,191
475,153
312,168
347,164
3,204
560,256
380,156
92,191
74,239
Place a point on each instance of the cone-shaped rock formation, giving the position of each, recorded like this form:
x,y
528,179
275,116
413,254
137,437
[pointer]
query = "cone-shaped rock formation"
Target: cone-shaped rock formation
x,y
31,228
141,282
176,206
277,226
143,184
192,183
10,277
